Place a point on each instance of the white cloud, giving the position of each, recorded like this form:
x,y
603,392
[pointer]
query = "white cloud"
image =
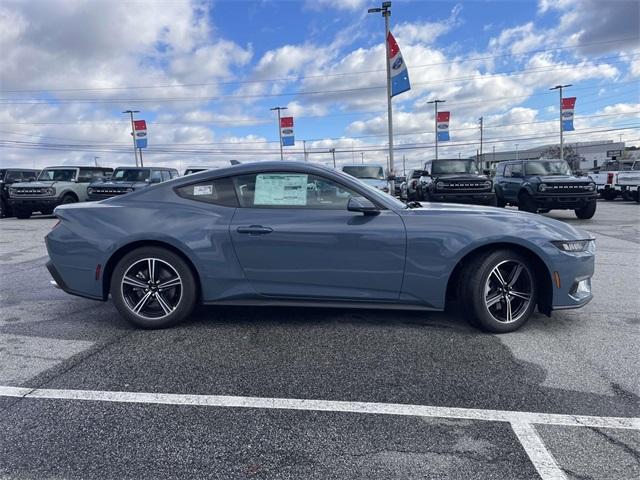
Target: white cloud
x,y
427,32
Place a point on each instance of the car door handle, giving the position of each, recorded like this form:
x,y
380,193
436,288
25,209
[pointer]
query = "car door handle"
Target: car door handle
x,y
254,230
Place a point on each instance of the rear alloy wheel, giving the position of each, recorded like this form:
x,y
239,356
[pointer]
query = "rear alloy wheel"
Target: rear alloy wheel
x,y
526,203
500,291
153,288
22,214
68,199
586,212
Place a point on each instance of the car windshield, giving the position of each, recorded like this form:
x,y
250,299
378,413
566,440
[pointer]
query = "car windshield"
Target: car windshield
x,y
365,171
454,166
130,175
547,167
189,171
58,174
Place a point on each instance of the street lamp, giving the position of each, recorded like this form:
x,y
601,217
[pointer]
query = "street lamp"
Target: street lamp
x,y
333,152
133,133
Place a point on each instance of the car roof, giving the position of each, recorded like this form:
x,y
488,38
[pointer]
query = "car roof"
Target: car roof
x,y
76,166
145,168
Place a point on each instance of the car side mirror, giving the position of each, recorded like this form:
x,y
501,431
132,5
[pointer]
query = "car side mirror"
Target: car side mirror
x,y
362,205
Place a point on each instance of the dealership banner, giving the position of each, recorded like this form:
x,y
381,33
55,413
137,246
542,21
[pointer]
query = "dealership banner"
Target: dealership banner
x,y
140,133
398,69
568,106
442,125
286,131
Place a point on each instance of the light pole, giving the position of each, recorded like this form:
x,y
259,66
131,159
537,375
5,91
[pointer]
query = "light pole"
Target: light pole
x,y
333,152
435,105
481,119
362,157
517,152
95,161
560,87
133,133
279,128
385,9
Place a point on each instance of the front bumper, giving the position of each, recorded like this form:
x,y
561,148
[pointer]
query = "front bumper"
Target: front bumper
x,y
483,198
34,204
558,201
574,272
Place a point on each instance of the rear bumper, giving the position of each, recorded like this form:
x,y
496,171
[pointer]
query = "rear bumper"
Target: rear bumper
x,y
459,197
564,201
58,282
34,204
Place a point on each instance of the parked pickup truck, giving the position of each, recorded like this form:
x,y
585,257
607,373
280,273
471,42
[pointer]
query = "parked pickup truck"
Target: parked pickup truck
x,y
455,181
55,186
629,182
543,185
606,178
128,179
371,174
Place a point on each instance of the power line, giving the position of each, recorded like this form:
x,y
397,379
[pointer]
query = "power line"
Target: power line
x,y
508,74
303,77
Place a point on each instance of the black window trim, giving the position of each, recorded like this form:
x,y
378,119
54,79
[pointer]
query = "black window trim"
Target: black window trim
x,y
177,188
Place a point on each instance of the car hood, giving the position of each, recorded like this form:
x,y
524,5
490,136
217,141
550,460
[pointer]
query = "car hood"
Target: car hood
x,y
555,229
460,176
35,184
114,184
562,179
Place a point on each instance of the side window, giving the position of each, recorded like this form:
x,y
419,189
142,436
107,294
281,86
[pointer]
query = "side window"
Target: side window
x,y
219,191
85,175
156,176
174,173
29,175
516,170
291,190
165,175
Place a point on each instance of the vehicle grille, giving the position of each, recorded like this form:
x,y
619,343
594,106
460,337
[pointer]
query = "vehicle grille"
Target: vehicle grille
x,y
16,191
464,187
109,191
567,187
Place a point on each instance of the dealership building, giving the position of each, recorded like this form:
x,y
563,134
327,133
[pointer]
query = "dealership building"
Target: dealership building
x,y
591,154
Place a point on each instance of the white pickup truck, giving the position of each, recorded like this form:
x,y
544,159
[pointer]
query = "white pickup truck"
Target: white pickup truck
x,y
606,179
628,182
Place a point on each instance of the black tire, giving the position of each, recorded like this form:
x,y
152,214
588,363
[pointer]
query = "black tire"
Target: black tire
x,y
46,211
68,198
586,212
178,299
626,196
5,211
526,203
474,280
500,202
636,196
22,214
493,202
609,194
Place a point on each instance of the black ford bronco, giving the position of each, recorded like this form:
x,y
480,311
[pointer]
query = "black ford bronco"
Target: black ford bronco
x,y
543,185
9,176
455,181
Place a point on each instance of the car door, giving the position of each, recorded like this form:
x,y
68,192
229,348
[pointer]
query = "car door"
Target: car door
x,y
512,180
295,238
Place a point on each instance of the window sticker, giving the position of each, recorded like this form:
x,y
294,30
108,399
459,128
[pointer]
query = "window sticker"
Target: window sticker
x,y
203,190
281,189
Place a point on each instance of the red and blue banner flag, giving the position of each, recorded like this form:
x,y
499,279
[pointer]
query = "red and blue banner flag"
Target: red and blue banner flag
x,y
442,126
568,106
398,69
140,133
286,131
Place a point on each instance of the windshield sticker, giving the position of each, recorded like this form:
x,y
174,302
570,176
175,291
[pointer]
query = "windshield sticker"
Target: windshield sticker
x,y
281,189
203,190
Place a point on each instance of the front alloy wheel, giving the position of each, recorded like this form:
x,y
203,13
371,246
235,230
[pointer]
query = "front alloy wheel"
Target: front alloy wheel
x,y
499,291
153,288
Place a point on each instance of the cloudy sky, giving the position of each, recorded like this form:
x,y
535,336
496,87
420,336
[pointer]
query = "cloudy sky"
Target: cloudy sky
x,y
205,74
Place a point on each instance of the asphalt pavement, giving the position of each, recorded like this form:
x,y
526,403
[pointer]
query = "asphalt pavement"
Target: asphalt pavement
x,y
217,397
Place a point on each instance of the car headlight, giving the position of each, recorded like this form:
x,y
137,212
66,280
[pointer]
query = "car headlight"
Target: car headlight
x,y
50,191
89,190
591,187
129,189
573,245
440,185
487,184
542,187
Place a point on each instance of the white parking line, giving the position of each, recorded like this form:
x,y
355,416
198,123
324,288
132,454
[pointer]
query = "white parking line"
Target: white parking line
x,y
521,422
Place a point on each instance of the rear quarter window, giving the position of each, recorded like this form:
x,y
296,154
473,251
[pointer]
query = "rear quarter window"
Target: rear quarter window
x,y
219,191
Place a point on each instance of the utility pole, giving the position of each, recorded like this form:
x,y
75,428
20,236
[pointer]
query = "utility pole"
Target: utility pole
x,y
362,157
494,156
386,13
517,152
481,128
133,133
560,87
304,149
333,152
279,129
95,161
435,105
404,165
141,164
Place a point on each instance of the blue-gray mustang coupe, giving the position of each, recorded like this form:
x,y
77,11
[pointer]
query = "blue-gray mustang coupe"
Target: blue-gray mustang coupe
x,y
287,233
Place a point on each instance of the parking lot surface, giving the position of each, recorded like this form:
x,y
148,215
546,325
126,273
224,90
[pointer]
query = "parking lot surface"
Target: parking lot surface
x,y
319,393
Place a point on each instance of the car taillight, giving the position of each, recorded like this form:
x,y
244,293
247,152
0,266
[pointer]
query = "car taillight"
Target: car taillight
x,y
610,178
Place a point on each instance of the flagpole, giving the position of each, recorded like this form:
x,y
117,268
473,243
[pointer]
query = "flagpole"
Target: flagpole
x,y
435,105
386,13
560,87
279,128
